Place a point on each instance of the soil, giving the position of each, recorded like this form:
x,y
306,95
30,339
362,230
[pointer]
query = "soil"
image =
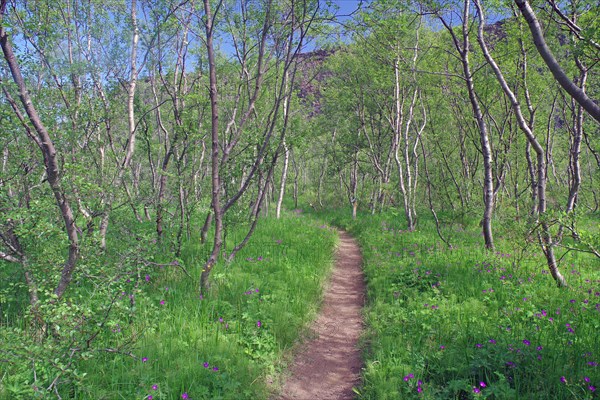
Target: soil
x,y
328,366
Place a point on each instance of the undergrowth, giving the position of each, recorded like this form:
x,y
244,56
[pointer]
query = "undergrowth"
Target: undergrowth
x,y
162,340
463,323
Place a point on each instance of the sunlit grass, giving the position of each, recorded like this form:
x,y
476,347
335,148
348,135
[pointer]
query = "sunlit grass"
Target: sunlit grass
x,y
231,342
463,323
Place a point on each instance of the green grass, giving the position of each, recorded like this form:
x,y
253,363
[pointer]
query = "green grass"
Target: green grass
x,y
462,323
170,341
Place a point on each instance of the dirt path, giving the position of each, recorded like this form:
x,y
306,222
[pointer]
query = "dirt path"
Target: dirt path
x,y
328,366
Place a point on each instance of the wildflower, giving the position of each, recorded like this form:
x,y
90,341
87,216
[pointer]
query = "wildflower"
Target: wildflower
x,y
526,342
479,345
592,388
539,348
154,387
201,297
492,341
419,389
220,319
150,397
482,384
185,396
586,379
442,347
206,364
476,389
563,379
215,368
572,301
144,359
258,324
162,302
147,278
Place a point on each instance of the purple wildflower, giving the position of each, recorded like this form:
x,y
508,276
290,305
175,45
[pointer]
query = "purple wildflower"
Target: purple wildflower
x,y
154,387
258,324
185,396
206,364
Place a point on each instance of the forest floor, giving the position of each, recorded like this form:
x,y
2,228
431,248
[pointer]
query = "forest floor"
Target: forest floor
x,y
327,366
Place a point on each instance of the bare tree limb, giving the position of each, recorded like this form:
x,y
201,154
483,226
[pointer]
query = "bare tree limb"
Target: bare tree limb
x,y
540,43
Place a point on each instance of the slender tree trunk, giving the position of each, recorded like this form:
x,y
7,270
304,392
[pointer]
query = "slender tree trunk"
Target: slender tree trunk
x,y
296,179
574,166
286,161
540,43
215,161
320,187
206,226
49,152
429,199
488,182
545,235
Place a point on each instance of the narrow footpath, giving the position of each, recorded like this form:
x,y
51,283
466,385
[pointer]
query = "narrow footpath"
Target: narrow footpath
x,y
328,366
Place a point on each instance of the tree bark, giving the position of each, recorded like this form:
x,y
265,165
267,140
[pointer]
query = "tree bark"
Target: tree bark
x,y
545,235
215,159
286,161
540,43
488,183
49,152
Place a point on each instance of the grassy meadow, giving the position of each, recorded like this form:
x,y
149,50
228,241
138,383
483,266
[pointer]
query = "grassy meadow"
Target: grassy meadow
x,y
440,322
165,341
462,323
